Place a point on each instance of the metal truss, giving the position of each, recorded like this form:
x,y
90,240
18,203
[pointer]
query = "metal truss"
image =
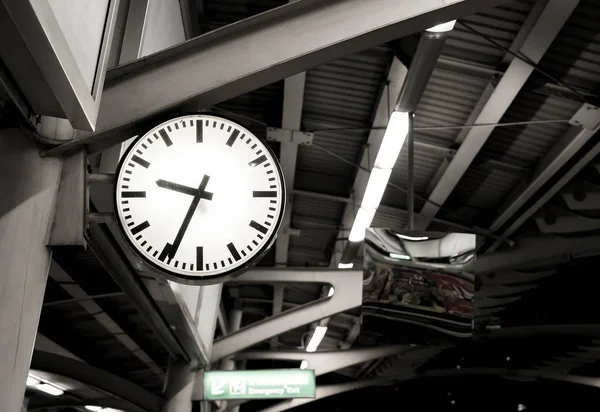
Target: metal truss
x,y
347,285
548,24
137,398
233,60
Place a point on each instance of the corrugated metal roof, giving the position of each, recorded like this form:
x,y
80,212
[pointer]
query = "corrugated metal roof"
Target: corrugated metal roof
x,y
448,99
574,57
340,94
501,23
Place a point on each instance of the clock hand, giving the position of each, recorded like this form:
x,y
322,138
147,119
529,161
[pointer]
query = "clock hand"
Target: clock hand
x,y
170,249
180,188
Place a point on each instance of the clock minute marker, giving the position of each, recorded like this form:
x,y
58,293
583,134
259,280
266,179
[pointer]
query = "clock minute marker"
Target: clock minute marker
x,y
233,251
259,160
165,137
258,226
140,161
140,227
133,194
199,132
234,135
199,258
263,193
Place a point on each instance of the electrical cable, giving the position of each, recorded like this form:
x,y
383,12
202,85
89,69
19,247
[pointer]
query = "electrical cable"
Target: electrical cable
x,y
445,127
524,59
480,231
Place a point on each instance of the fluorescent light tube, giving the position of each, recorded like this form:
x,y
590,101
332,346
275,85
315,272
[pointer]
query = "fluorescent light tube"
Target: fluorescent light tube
x,y
416,238
378,180
93,408
345,266
442,28
393,140
32,381
304,365
316,338
49,389
362,221
399,256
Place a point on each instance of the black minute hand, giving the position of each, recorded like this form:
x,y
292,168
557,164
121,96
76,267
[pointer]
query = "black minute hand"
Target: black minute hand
x,y
170,250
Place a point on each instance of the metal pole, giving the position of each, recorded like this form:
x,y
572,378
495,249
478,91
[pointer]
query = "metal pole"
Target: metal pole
x,y
410,184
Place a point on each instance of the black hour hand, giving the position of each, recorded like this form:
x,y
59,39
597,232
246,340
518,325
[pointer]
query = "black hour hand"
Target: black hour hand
x,y
182,188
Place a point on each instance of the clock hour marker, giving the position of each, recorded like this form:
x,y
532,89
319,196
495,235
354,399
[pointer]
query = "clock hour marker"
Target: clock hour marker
x,y
258,227
268,193
232,138
199,257
165,137
140,227
133,194
198,132
233,251
258,161
140,161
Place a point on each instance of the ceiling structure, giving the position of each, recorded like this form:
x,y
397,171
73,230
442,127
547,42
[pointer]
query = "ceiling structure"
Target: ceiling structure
x,y
531,173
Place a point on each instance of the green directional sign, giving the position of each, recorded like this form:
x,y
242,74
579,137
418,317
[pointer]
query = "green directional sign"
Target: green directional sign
x,y
259,384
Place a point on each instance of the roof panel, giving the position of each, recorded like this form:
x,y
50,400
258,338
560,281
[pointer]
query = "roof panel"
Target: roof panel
x,y
574,57
501,24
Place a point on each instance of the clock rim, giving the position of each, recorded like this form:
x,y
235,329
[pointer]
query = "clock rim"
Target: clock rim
x,y
200,280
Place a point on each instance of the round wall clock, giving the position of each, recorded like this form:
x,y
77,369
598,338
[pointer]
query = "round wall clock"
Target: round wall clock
x,y
199,198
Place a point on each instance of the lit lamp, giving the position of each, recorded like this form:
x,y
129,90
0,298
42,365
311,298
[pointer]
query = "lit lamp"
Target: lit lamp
x,y
395,135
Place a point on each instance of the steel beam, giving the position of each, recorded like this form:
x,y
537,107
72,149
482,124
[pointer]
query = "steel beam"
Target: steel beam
x,y
293,98
278,294
97,378
328,361
535,251
348,295
155,301
39,404
395,80
547,27
519,208
168,80
113,326
71,210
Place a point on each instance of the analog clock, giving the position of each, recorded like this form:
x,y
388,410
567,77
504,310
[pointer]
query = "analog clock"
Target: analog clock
x,y
199,198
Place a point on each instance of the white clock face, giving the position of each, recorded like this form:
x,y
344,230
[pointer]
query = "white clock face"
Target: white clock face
x,y
199,198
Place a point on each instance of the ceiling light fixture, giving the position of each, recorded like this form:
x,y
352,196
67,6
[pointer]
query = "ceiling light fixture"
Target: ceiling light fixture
x,y
442,28
316,338
397,131
49,389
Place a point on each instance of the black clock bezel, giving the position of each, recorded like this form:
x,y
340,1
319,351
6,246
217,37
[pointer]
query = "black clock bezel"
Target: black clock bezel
x,y
200,280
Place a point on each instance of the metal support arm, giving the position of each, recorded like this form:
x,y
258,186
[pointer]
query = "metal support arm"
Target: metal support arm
x,y
253,53
348,295
328,361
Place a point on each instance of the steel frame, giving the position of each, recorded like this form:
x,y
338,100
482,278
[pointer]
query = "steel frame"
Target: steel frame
x,y
168,80
546,28
348,295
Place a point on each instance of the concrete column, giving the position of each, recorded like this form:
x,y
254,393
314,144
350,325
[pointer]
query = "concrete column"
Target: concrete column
x,y
180,385
29,185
